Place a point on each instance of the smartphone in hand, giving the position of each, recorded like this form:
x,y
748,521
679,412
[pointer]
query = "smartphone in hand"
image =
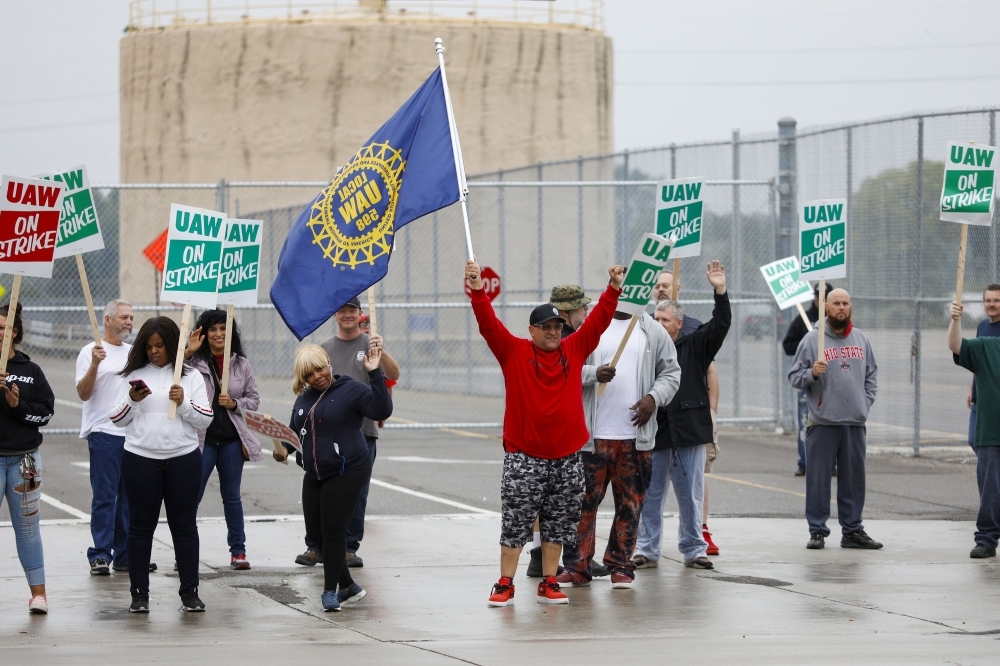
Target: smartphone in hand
x,y
138,385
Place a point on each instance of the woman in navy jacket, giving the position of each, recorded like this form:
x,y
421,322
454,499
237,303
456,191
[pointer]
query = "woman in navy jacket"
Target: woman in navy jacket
x,y
327,417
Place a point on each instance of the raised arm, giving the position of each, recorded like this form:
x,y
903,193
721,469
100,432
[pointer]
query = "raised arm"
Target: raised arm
x,y
955,329
497,337
589,334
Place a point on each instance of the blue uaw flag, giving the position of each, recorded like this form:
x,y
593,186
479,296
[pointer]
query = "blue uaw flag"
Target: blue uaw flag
x,y
341,243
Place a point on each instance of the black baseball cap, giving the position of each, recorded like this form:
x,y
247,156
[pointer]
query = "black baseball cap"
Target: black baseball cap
x,y
829,288
544,313
354,301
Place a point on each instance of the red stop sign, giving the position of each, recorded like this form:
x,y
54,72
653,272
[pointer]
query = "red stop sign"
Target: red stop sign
x,y
491,283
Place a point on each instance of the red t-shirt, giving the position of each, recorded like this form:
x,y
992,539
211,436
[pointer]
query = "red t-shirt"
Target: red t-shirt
x,y
543,415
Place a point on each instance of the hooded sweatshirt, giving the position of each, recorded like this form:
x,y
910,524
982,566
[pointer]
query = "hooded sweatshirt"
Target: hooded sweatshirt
x,y
19,425
846,391
329,424
543,409
148,431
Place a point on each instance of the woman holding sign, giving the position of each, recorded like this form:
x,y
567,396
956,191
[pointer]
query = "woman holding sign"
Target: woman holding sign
x,y
26,402
227,442
162,462
328,415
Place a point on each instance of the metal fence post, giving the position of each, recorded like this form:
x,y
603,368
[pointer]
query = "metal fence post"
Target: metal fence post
x,y
408,313
541,241
502,241
673,160
919,287
850,188
737,273
787,187
579,220
993,227
437,314
222,197
776,350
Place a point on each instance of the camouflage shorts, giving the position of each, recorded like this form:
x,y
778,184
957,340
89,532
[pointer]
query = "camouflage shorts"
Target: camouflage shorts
x,y
551,490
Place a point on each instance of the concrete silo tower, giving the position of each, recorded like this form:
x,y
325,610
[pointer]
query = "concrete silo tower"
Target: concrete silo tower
x,y
290,94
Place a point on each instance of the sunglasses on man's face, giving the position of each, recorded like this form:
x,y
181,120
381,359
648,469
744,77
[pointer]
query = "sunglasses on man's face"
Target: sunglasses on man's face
x,y
550,327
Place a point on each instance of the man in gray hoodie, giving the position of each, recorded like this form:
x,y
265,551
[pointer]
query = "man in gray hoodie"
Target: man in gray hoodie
x,y
840,388
622,426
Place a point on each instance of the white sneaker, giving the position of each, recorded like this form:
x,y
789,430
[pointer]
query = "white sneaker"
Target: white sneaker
x,y
38,605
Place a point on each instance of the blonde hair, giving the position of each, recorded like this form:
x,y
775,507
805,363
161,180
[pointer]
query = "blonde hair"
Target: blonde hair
x,y
308,358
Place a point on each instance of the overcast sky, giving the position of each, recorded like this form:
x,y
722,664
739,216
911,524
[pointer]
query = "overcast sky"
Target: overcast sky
x,y
684,71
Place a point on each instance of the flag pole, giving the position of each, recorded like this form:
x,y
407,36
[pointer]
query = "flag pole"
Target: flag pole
x,y
456,147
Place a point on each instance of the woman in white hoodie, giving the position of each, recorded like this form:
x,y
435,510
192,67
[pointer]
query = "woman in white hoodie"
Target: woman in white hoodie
x,y
162,460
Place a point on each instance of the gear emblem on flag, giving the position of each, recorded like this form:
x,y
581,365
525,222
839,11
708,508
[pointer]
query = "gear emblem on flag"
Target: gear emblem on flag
x,y
352,220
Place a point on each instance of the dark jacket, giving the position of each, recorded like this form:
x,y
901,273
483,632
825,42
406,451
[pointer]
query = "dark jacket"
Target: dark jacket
x,y
797,329
332,441
19,425
687,419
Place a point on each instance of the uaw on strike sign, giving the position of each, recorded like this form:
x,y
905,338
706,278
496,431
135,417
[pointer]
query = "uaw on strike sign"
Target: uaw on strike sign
x,y
194,253
823,239
29,225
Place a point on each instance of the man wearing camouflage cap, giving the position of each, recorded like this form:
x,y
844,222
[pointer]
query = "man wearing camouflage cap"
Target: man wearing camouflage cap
x,y
572,304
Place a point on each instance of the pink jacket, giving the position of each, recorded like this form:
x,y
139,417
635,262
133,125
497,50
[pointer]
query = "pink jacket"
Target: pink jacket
x,y
242,389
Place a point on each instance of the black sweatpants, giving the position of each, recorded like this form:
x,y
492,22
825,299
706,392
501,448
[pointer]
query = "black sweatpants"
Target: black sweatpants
x,y
150,483
328,506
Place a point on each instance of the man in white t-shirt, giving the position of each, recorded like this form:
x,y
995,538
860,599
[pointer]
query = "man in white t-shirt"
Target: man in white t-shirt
x,y
97,384
622,426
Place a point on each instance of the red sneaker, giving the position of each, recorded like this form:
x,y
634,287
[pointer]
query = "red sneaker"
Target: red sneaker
x,y
549,592
707,536
620,581
503,593
568,580
239,562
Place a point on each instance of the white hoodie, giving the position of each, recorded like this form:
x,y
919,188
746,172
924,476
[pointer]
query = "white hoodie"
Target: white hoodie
x,y
148,431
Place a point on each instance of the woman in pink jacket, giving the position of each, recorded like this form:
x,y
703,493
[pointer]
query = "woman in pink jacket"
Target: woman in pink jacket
x,y
226,442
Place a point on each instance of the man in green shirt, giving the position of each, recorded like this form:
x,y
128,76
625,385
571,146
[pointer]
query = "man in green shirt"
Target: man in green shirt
x,y
982,357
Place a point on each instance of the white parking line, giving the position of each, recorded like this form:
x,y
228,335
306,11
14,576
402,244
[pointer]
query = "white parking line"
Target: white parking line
x,y
51,501
443,461
432,498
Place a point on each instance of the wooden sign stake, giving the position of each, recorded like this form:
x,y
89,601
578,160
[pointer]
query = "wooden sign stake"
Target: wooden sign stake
x,y
371,311
805,318
822,319
675,284
85,283
8,336
621,346
960,278
179,360
227,352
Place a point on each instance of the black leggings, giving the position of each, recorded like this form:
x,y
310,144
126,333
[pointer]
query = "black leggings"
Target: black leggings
x,y
150,483
327,506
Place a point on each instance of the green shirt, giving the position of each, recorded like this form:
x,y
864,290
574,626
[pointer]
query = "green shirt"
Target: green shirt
x,y
982,357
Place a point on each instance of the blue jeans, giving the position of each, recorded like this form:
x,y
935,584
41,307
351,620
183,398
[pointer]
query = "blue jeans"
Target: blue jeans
x,y
686,468
803,419
356,528
109,507
228,459
988,478
24,516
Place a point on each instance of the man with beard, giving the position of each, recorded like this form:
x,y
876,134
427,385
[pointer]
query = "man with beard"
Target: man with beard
x,y
97,384
840,388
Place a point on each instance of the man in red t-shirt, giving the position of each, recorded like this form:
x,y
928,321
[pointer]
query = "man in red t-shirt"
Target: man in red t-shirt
x,y
543,429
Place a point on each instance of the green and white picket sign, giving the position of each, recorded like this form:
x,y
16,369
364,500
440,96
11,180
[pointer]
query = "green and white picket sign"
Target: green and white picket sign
x,y
823,239
79,228
240,269
782,278
679,207
191,268
640,277
970,172
648,260
194,251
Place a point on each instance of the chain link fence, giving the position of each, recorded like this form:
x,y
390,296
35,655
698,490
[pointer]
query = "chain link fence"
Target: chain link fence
x,y
566,222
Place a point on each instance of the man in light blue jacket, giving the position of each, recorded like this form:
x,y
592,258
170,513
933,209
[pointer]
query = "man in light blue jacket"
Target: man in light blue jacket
x,y
622,434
